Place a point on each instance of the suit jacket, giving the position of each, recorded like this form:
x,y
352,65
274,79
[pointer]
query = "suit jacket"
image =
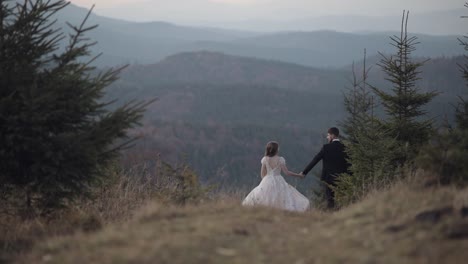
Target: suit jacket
x,y
334,161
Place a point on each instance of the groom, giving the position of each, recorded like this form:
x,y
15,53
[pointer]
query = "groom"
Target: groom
x,y
333,157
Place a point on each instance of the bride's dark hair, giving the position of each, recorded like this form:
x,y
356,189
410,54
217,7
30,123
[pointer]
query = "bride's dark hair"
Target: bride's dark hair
x,y
271,149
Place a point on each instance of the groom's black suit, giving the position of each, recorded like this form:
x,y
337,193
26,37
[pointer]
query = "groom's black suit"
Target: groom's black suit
x,y
333,157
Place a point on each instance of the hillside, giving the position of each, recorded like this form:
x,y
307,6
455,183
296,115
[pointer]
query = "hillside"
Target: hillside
x,y
406,224
206,67
230,89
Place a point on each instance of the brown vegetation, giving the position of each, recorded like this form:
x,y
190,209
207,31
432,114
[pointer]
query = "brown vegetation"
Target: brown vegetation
x,y
113,203
408,223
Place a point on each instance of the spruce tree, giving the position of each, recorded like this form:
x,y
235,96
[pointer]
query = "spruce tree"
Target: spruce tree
x,y
462,108
357,102
404,103
461,114
57,136
446,155
369,147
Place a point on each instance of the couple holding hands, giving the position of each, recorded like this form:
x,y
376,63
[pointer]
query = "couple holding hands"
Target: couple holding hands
x,y
274,191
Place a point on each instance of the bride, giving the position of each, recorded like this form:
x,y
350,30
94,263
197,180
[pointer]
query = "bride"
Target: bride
x,y
273,190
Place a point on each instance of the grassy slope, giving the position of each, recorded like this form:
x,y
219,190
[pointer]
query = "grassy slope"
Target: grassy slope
x,y
384,228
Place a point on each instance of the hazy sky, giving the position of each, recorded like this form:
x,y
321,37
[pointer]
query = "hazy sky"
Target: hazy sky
x,y
199,10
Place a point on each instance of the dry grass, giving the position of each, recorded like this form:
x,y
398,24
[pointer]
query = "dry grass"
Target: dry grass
x,y
399,225
114,203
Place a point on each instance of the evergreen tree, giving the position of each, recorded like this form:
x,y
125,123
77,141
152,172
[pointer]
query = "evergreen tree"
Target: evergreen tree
x,y
357,102
461,114
444,158
404,103
371,156
446,154
462,108
56,136
370,149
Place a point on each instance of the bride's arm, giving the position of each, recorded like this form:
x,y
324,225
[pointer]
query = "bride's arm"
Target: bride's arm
x,y
290,173
263,171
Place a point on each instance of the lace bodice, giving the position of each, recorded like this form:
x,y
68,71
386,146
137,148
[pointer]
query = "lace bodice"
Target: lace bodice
x,y
273,165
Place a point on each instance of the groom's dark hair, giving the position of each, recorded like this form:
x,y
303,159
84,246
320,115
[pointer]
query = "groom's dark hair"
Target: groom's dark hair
x,y
271,149
334,131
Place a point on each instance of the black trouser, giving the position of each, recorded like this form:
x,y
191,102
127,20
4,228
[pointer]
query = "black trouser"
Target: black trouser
x,y
330,197
329,194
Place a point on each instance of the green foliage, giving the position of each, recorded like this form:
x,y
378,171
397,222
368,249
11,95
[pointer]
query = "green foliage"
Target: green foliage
x,y
370,148
404,103
56,135
372,167
358,103
445,157
462,108
461,111
461,114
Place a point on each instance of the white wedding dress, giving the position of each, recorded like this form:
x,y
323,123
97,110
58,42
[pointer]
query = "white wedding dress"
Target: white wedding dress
x,y
274,191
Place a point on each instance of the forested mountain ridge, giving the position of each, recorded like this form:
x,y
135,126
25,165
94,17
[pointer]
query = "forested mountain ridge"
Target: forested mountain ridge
x,y
207,67
217,111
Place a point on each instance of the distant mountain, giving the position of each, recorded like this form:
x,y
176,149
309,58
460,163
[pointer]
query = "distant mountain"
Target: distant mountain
x,y
216,68
157,30
124,42
219,69
332,49
443,22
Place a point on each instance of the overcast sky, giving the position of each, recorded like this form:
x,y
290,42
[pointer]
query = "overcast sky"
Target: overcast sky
x,y
233,13
144,10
